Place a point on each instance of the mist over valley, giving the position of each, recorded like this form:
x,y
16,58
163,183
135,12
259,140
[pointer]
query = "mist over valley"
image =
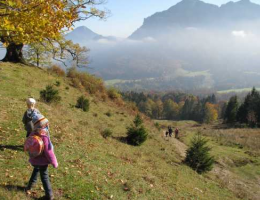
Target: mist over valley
x,y
192,45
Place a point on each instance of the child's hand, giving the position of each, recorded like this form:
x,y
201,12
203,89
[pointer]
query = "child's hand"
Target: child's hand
x,y
56,165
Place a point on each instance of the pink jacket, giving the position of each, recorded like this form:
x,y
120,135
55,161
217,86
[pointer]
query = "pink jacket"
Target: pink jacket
x,y
47,157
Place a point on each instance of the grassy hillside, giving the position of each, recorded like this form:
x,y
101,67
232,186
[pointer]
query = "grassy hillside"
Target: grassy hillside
x,y
91,167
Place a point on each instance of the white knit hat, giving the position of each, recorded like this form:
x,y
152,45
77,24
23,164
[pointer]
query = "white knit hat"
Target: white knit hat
x,y
31,101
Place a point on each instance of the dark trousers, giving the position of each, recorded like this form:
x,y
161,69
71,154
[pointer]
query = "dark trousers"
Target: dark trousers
x,y
28,133
44,178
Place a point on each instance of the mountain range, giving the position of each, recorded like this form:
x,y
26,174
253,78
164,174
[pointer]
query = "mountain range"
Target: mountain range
x,y
82,34
192,45
197,14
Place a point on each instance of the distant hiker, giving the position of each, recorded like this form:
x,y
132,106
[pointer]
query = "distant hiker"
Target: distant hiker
x,y
166,134
170,131
177,133
27,117
46,157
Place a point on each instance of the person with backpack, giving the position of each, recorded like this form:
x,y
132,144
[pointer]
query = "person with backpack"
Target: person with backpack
x,y
170,131
166,133
27,117
176,133
41,154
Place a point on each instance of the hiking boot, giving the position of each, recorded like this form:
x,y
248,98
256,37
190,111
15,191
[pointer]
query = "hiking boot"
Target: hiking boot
x,y
48,197
27,190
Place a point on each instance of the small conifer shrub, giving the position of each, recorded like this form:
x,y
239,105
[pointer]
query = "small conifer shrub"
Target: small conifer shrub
x,y
107,133
50,95
83,103
57,83
136,134
108,113
197,156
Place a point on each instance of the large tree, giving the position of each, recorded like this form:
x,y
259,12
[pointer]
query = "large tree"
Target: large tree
x,y
26,22
249,111
230,115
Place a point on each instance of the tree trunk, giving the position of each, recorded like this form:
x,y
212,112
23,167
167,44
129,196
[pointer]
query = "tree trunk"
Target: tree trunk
x,y
38,59
14,54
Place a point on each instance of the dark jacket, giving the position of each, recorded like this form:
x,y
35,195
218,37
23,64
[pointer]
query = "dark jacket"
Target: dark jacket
x,y
27,120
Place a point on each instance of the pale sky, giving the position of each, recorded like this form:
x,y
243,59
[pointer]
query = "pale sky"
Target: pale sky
x,y
128,15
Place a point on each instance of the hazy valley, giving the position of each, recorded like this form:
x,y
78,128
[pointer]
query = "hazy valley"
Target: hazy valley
x,y
187,47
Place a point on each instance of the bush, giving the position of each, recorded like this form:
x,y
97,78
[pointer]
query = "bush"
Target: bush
x,y
131,105
197,156
83,103
136,134
57,83
113,94
56,70
157,125
106,133
89,82
109,114
138,121
50,95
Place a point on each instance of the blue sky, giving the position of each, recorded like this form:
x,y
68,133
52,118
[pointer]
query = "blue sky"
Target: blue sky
x,y
128,15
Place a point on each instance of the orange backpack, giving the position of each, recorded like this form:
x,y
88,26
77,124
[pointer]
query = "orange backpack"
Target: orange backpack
x,y
34,146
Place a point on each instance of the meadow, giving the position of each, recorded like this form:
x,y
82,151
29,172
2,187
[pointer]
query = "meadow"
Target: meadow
x,y
92,167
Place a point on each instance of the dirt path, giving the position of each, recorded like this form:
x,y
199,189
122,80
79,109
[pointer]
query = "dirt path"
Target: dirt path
x,y
180,147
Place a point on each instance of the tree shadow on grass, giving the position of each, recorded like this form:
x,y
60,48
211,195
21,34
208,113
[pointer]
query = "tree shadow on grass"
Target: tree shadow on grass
x,y
224,126
120,139
13,187
11,147
18,188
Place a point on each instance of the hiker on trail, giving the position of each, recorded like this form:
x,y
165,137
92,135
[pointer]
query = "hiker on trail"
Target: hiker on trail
x,y
170,131
166,133
177,133
46,155
27,117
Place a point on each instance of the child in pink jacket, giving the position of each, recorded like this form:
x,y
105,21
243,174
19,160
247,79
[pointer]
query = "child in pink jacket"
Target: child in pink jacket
x,y
41,162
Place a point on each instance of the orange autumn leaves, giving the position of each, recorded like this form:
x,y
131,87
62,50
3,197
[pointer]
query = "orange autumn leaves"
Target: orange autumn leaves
x,y
25,22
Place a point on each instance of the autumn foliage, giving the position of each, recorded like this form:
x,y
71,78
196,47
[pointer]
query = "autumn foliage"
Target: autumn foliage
x,y
36,21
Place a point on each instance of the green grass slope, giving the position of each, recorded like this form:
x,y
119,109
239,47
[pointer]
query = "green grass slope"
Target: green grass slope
x,y
236,151
90,167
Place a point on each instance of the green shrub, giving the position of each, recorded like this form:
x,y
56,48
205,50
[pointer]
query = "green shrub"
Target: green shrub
x,y
157,125
106,133
113,94
50,95
109,114
138,121
57,83
197,156
83,103
136,134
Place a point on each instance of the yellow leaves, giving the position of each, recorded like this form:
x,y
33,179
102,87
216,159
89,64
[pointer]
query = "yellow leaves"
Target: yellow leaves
x,y
211,112
20,29
30,21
